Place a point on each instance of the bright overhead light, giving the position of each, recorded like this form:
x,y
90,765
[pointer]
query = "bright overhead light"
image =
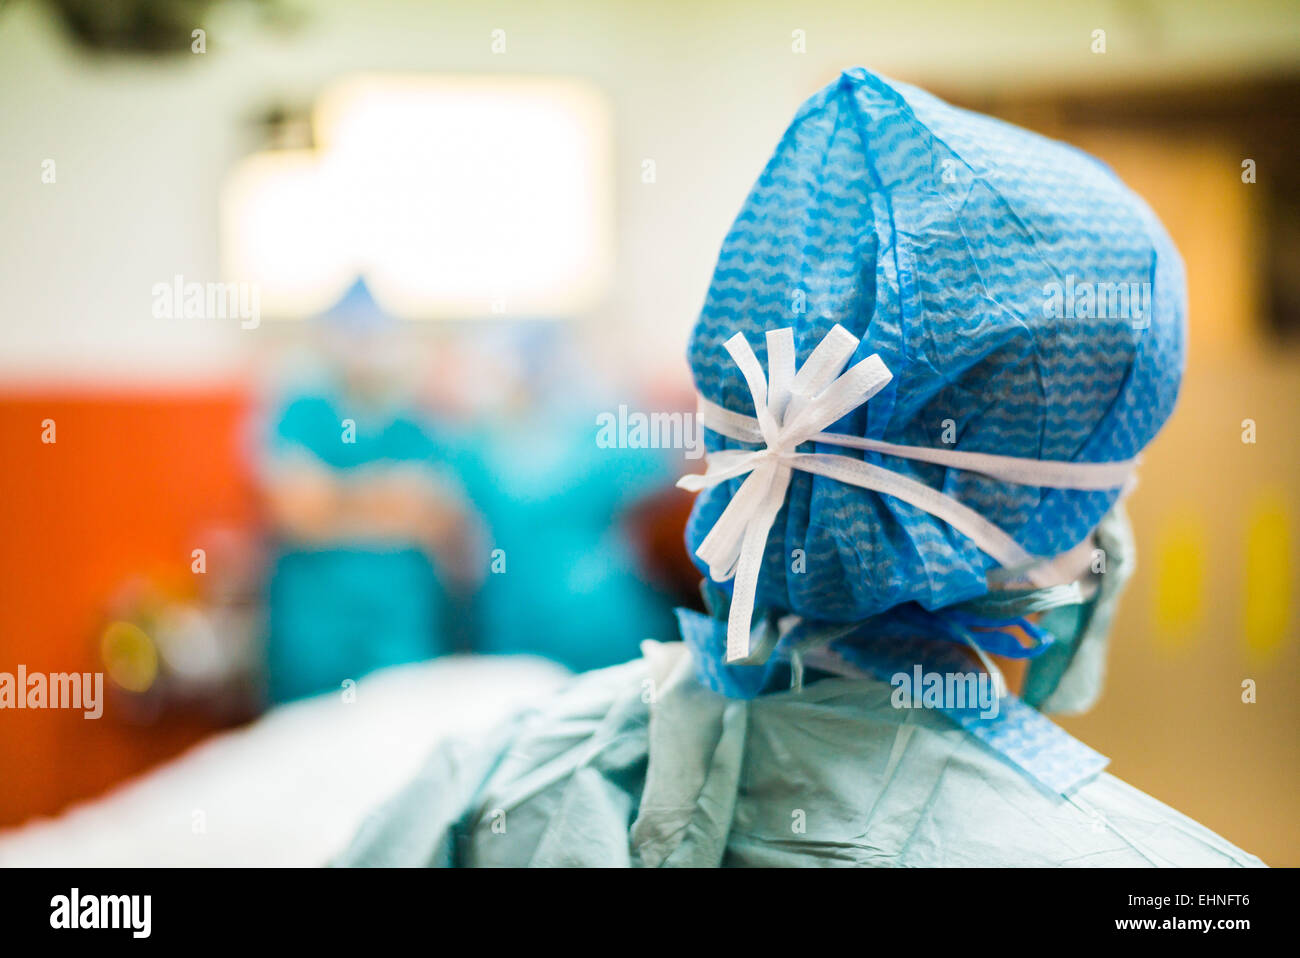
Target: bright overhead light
x,y
453,196
280,231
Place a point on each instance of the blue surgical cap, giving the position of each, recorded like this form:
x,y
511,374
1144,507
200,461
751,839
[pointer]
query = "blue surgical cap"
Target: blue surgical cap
x,y
1027,302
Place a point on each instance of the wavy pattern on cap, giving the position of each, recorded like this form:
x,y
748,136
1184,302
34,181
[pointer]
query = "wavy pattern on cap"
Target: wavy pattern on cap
x,y
931,233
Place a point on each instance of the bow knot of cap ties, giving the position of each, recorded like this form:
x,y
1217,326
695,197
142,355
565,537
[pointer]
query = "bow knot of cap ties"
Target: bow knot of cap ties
x,y
792,408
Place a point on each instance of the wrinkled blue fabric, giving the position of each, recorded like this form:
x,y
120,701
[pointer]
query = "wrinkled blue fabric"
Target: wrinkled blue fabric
x,y
933,233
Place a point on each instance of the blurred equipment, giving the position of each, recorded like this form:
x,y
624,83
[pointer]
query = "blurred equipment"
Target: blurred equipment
x,y
188,643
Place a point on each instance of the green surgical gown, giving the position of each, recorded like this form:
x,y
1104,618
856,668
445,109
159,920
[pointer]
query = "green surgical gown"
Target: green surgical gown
x,y
640,765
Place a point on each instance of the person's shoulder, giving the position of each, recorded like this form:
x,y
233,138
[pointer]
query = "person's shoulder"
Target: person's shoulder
x,y
591,696
940,797
1157,834
454,809
990,814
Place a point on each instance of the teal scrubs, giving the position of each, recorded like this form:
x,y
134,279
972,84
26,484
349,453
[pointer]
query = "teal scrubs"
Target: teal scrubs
x,y
563,580
640,765
339,612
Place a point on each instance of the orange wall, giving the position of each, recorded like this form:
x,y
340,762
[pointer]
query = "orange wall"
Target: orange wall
x,y
128,486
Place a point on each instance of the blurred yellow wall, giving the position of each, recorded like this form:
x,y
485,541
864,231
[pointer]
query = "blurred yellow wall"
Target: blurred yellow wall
x,y
1213,603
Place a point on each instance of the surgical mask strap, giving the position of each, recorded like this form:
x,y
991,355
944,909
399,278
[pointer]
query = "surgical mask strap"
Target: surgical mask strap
x,y
999,680
1022,602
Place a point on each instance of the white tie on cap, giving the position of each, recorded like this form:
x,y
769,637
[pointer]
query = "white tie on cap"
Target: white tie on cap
x,y
792,409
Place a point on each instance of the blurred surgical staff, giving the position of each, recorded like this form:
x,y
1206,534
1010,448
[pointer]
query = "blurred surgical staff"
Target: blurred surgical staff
x,y
564,580
369,521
